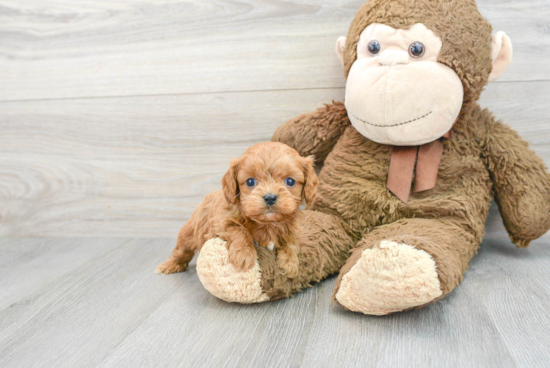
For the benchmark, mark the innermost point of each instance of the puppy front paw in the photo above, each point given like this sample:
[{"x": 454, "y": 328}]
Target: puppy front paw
[
  {"x": 288, "y": 262},
  {"x": 242, "y": 257},
  {"x": 171, "y": 265}
]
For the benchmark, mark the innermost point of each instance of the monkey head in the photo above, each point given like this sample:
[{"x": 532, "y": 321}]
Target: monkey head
[{"x": 412, "y": 66}]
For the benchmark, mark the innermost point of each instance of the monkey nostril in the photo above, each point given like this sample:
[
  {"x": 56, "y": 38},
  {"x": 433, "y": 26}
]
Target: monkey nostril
[{"x": 270, "y": 199}]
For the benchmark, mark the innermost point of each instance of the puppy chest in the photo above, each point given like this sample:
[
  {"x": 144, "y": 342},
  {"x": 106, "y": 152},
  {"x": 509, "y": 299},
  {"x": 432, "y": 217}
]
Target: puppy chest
[{"x": 266, "y": 244}]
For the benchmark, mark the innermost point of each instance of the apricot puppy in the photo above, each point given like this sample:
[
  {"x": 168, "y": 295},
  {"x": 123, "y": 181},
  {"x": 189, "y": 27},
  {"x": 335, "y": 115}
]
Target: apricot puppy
[{"x": 257, "y": 206}]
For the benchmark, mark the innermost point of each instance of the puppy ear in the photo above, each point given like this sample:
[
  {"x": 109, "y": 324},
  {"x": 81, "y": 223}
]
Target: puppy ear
[
  {"x": 229, "y": 183},
  {"x": 309, "y": 189}
]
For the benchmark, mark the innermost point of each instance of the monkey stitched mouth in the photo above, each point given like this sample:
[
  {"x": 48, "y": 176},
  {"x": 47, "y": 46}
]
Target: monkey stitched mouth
[{"x": 393, "y": 125}]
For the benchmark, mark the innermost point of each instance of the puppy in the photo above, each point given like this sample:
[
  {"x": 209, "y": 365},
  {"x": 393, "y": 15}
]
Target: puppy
[{"x": 258, "y": 205}]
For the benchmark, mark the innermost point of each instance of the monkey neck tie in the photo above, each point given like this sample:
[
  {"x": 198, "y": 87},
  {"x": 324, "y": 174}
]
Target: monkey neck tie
[{"x": 402, "y": 166}]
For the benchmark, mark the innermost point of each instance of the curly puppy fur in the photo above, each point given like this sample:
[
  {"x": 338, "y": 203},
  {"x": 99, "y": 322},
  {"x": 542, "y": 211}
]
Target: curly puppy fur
[{"x": 242, "y": 215}]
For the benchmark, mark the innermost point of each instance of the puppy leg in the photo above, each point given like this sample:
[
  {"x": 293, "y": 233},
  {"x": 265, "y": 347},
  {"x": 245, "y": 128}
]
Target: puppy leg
[
  {"x": 287, "y": 259},
  {"x": 240, "y": 247},
  {"x": 182, "y": 253}
]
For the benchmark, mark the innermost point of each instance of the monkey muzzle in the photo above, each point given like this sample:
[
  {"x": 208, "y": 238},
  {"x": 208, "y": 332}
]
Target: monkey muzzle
[{"x": 397, "y": 102}]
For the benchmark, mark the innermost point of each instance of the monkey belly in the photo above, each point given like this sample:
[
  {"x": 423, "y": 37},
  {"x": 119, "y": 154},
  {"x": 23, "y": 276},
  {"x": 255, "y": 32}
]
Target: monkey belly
[{"x": 353, "y": 186}]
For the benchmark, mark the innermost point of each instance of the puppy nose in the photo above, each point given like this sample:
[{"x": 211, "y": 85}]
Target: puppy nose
[{"x": 270, "y": 199}]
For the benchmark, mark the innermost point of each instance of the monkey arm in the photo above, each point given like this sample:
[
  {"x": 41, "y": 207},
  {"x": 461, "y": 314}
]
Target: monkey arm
[
  {"x": 521, "y": 182},
  {"x": 315, "y": 133}
]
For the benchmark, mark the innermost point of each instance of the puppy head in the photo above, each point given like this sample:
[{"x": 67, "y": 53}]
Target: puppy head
[{"x": 269, "y": 182}]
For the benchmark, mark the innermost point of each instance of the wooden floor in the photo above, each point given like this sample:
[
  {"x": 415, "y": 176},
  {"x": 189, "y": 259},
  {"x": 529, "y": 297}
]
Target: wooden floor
[
  {"x": 98, "y": 302},
  {"x": 117, "y": 117}
]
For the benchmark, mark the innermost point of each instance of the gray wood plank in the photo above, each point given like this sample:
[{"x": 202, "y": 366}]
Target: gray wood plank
[
  {"x": 134, "y": 166},
  {"x": 137, "y": 167},
  {"x": 194, "y": 329},
  {"x": 29, "y": 264},
  {"x": 454, "y": 332},
  {"x": 66, "y": 49},
  {"x": 513, "y": 285},
  {"x": 306, "y": 331},
  {"x": 113, "y": 311},
  {"x": 15, "y": 249},
  {"x": 83, "y": 314}
]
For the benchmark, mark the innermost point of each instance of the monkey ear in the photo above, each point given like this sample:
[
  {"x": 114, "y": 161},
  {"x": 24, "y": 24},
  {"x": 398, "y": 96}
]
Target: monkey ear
[
  {"x": 501, "y": 53},
  {"x": 340, "y": 46},
  {"x": 230, "y": 186},
  {"x": 311, "y": 181}
]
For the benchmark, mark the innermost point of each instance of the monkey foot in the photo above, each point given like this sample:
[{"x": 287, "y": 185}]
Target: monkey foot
[
  {"x": 222, "y": 280},
  {"x": 389, "y": 278}
]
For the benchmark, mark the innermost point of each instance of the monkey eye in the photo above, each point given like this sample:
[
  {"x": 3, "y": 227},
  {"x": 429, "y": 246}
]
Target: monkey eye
[
  {"x": 290, "y": 182},
  {"x": 251, "y": 182},
  {"x": 417, "y": 49},
  {"x": 374, "y": 47}
]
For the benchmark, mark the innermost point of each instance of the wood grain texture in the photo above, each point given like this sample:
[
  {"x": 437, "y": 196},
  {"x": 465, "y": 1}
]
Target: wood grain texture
[
  {"x": 513, "y": 285},
  {"x": 138, "y": 166},
  {"x": 213, "y": 333},
  {"x": 37, "y": 262},
  {"x": 67, "y": 49},
  {"x": 413, "y": 339},
  {"x": 86, "y": 311},
  {"x": 34, "y": 272},
  {"x": 117, "y": 117},
  {"x": 109, "y": 309}
]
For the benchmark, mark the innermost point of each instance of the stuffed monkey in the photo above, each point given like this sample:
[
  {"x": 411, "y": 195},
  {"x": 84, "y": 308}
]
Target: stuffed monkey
[{"x": 411, "y": 163}]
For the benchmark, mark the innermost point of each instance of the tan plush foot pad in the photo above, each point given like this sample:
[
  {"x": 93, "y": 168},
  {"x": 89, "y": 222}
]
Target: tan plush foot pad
[
  {"x": 220, "y": 278},
  {"x": 389, "y": 278}
]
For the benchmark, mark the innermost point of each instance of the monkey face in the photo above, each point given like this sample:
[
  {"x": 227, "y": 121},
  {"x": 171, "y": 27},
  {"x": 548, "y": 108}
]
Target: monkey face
[
  {"x": 397, "y": 92},
  {"x": 408, "y": 77}
]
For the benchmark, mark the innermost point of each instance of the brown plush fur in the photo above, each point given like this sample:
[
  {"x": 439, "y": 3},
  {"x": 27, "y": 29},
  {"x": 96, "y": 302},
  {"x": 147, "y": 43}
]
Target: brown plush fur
[
  {"x": 354, "y": 210},
  {"x": 240, "y": 215}
]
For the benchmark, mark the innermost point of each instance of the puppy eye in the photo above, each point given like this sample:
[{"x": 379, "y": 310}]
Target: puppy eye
[
  {"x": 417, "y": 49},
  {"x": 374, "y": 47},
  {"x": 290, "y": 182},
  {"x": 251, "y": 182}
]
